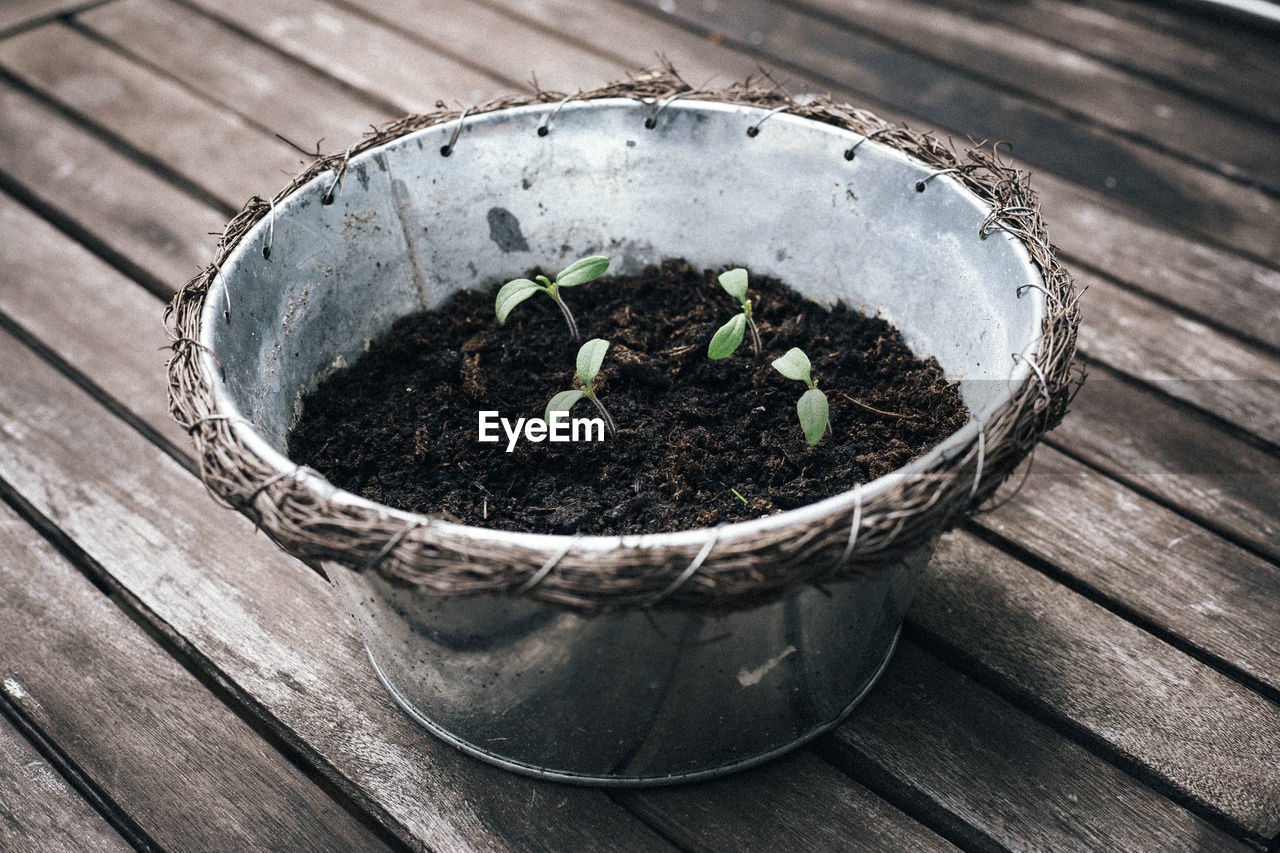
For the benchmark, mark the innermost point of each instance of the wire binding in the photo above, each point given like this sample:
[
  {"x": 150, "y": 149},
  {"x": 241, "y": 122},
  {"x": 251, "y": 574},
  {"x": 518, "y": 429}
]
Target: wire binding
[
  {"x": 690, "y": 570},
  {"x": 652, "y": 121},
  {"x": 395, "y": 540},
  {"x": 754, "y": 130},
  {"x": 545, "y": 127},
  {"x": 848, "y": 154},
  {"x": 921, "y": 184},
  {"x": 446, "y": 150},
  {"x": 550, "y": 564}
]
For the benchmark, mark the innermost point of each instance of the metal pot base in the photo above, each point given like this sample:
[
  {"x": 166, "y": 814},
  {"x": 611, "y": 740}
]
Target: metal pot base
[{"x": 621, "y": 781}]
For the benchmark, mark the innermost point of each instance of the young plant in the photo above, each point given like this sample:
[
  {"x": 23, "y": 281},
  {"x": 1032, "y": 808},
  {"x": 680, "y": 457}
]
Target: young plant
[
  {"x": 518, "y": 290},
  {"x": 729, "y": 336},
  {"x": 590, "y": 357},
  {"x": 812, "y": 408}
]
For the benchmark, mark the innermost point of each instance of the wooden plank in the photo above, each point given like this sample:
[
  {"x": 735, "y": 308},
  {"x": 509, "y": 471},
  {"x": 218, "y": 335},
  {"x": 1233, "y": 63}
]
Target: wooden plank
[
  {"x": 1160, "y": 448},
  {"x": 1239, "y": 77},
  {"x": 795, "y": 803},
  {"x": 90, "y": 315},
  {"x": 632, "y": 37},
  {"x": 118, "y": 204},
  {"x": 20, "y": 14},
  {"x": 39, "y": 812},
  {"x": 1183, "y": 358},
  {"x": 239, "y": 74},
  {"x": 1156, "y": 183},
  {"x": 933, "y": 735},
  {"x": 1231, "y": 291},
  {"x": 178, "y": 762},
  {"x": 151, "y": 113},
  {"x": 1197, "y": 731},
  {"x": 1161, "y": 566},
  {"x": 1214, "y": 29},
  {"x": 273, "y": 634},
  {"x": 496, "y": 43},
  {"x": 1093, "y": 92},
  {"x": 383, "y": 64}
]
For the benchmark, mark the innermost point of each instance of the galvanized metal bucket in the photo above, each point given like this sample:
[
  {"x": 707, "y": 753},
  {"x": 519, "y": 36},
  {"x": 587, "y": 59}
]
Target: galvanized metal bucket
[{"x": 620, "y": 695}]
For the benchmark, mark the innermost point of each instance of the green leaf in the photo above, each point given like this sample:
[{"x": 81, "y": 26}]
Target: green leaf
[
  {"x": 813, "y": 412},
  {"x": 562, "y": 402},
  {"x": 727, "y": 338},
  {"x": 511, "y": 295},
  {"x": 582, "y": 271},
  {"x": 794, "y": 365},
  {"x": 590, "y": 357},
  {"x": 734, "y": 283}
]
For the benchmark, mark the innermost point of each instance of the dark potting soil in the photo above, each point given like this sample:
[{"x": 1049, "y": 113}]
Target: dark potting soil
[{"x": 400, "y": 426}]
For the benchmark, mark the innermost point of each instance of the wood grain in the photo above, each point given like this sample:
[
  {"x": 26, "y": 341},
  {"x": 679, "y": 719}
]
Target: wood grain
[
  {"x": 1181, "y": 357},
  {"x": 19, "y": 14},
  {"x": 151, "y": 113},
  {"x": 39, "y": 812},
  {"x": 268, "y": 629},
  {"x": 1242, "y": 297},
  {"x": 1165, "y": 568},
  {"x": 630, "y": 36},
  {"x": 240, "y": 75},
  {"x": 496, "y": 43},
  {"x": 160, "y": 746},
  {"x": 795, "y": 803},
  {"x": 1239, "y": 76},
  {"x": 928, "y": 733},
  {"x": 384, "y": 65},
  {"x": 116, "y": 337},
  {"x": 119, "y": 204},
  {"x": 1159, "y": 447},
  {"x": 1183, "y": 723},
  {"x": 1091, "y": 91}
]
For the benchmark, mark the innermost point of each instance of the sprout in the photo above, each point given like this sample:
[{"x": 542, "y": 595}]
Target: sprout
[
  {"x": 812, "y": 407},
  {"x": 590, "y": 357},
  {"x": 518, "y": 290},
  {"x": 729, "y": 336}
]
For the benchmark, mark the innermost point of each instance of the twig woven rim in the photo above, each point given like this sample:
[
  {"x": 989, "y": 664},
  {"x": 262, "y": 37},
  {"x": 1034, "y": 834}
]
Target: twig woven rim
[{"x": 716, "y": 571}]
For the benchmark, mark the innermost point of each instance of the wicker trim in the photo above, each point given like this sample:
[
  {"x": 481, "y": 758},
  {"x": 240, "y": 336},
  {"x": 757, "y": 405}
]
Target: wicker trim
[{"x": 739, "y": 570}]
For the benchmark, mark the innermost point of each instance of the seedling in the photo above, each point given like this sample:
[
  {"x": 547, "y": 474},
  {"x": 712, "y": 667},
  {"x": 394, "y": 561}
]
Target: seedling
[
  {"x": 812, "y": 407},
  {"x": 729, "y": 336},
  {"x": 590, "y": 357},
  {"x": 518, "y": 290}
]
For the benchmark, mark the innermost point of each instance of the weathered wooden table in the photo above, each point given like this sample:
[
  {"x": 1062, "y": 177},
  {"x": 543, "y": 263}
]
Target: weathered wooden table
[{"x": 1095, "y": 665}]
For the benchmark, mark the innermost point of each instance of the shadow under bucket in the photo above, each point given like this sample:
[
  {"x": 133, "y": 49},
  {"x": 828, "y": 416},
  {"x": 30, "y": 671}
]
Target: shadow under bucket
[{"x": 482, "y": 635}]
